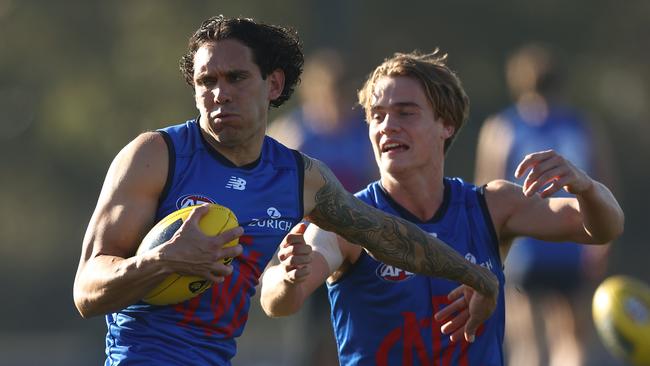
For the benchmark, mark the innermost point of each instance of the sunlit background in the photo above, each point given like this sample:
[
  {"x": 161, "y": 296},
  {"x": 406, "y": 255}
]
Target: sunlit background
[{"x": 79, "y": 79}]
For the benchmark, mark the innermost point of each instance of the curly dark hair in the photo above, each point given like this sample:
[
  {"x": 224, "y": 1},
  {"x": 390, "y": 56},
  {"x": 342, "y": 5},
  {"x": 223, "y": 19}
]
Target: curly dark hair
[{"x": 273, "y": 47}]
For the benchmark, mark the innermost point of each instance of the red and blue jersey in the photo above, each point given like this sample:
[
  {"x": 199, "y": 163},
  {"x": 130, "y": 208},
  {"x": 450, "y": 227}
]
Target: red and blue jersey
[
  {"x": 383, "y": 315},
  {"x": 266, "y": 196}
]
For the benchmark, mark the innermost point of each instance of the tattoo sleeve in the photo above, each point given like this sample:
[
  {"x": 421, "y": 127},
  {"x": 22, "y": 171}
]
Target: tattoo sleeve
[{"x": 390, "y": 239}]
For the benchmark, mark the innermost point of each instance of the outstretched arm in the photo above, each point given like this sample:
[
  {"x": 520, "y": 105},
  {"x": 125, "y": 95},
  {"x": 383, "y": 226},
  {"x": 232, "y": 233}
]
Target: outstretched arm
[
  {"x": 593, "y": 216},
  {"x": 389, "y": 239},
  {"x": 299, "y": 271}
]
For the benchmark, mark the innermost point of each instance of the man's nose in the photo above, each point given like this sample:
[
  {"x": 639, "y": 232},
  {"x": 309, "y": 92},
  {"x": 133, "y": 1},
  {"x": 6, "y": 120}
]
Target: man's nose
[
  {"x": 390, "y": 123},
  {"x": 221, "y": 94}
]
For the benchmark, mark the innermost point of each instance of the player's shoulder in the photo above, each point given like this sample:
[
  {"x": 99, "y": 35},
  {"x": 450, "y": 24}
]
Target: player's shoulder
[
  {"x": 506, "y": 197},
  {"x": 499, "y": 185},
  {"x": 146, "y": 143},
  {"x": 315, "y": 170},
  {"x": 501, "y": 192},
  {"x": 150, "y": 137},
  {"x": 146, "y": 154},
  {"x": 317, "y": 179},
  {"x": 502, "y": 199}
]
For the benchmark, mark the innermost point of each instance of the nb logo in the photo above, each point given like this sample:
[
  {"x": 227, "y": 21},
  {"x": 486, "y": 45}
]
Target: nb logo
[{"x": 236, "y": 183}]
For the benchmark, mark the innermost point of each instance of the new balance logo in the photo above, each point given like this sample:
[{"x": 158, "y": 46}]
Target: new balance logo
[{"x": 236, "y": 183}]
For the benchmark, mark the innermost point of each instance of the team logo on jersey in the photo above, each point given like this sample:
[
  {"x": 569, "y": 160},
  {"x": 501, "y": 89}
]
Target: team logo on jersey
[
  {"x": 192, "y": 200},
  {"x": 274, "y": 221},
  {"x": 393, "y": 274},
  {"x": 236, "y": 183},
  {"x": 417, "y": 340}
]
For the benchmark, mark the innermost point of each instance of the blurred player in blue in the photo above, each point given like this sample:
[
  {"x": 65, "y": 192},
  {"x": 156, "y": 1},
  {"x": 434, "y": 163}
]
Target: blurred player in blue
[
  {"x": 386, "y": 315},
  {"x": 237, "y": 69},
  {"x": 326, "y": 117},
  {"x": 547, "y": 282}
]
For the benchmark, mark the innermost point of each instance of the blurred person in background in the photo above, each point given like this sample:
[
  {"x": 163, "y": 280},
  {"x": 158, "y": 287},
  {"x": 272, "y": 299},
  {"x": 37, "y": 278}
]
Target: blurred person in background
[
  {"x": 325, "y": 124},
  {"x": 548, "y": 298},
  {"x": 385, "y": 315},
  {"x": 238, "y": 69}
]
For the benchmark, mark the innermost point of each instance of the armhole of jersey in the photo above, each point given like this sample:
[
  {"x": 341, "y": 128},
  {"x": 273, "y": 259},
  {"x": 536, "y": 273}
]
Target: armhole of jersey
[
  {"x": 351, "y": 268},
  {"x": 300, "y": 164},
  {"x": 170, "y": 169},
  {"x": 480, "y": 196}
]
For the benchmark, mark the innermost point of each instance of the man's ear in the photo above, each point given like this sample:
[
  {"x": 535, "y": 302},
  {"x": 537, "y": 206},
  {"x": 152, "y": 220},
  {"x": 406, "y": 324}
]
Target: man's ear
[
  {"x": 449, "y": 130},
  {"x": 276, "y": 84}
]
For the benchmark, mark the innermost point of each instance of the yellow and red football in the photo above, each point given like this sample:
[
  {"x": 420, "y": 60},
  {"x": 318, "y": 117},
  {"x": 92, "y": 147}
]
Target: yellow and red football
[
  {"x": 621, "y": 312},
  {"x": 177, "y": 288}
]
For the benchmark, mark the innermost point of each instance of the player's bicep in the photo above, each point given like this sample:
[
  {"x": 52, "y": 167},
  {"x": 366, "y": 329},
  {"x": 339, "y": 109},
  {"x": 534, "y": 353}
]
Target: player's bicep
[
  {"x": 332, "y": 208},
  {"x": 550, "y": 219},
  {"x": 129, "y": 197}
]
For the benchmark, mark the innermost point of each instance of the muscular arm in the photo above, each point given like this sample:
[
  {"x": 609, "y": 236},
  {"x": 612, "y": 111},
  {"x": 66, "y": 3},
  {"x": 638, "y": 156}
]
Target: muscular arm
[
  {"x": 109, "y": 276},
  {"x": 387, "y": 238},
  {"x": 107, "y": 279}
]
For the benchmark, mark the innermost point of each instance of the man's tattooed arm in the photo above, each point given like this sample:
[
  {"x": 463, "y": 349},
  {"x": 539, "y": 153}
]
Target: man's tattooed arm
[{"x": 387, "y": 238}]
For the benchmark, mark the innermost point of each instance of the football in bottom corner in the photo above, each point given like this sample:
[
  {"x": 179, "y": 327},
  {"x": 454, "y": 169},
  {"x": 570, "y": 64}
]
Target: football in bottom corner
[{"x": 621, "y": 313}]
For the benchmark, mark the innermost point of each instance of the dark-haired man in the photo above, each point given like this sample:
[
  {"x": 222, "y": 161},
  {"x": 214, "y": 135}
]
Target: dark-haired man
[{"x": 238, "y": 68}]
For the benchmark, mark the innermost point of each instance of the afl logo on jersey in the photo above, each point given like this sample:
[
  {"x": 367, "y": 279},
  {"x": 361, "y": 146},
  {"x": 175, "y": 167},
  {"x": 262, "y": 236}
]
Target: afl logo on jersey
[
  {"x": 192, "y": 200},
  {"x": 393, "y": 274}
]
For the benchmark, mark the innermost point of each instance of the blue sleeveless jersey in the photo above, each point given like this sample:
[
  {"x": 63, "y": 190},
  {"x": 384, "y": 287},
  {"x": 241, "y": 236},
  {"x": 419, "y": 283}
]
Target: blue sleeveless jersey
[
  {"x": 383, "y": 315},
  {"x": 266, "y": 197},
  {"x": 565, "y": 132}
]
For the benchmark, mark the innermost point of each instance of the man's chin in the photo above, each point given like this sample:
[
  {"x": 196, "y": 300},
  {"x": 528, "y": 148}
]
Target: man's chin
[
  {"x": 392, "y": 166},
  {"x": 228, "y": 140},
  {"x": 224, "y": 138}
]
